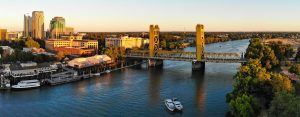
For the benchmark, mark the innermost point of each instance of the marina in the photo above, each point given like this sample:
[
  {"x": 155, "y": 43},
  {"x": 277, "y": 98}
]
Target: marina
[{"x": 58, "y": 73}]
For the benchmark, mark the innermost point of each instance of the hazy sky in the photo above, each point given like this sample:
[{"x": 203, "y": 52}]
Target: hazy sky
[{"x": 171, "y": 15}]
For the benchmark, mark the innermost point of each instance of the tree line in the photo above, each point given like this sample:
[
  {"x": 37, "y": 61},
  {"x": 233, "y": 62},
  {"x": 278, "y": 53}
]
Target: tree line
[
  {"x": 21, "y": 56},
  {"x": 259, "y": 88}
]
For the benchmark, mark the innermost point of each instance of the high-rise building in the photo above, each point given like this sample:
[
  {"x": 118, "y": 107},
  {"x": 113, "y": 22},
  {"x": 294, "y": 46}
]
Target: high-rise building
[
  {"x": 27, "y": 26},
  {"x": 57, "y": 26},
  {"x": 38, "y": 24},
  {"x": 3, "y": 34}
]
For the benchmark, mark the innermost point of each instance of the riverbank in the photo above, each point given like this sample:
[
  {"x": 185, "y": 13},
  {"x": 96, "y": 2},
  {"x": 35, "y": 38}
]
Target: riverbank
[{"x": 68, "y": 75}]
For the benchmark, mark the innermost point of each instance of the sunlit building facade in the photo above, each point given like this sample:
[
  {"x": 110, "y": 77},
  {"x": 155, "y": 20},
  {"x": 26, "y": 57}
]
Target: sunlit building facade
[
  {"x": 27, "y": 26},
  {"x": 14, "y": 35},
  {"x": 38, "y": 25},
  {"x": 71, "y": 46},
  {"x": 126, "y": 42},
  {"x": 3, "y": 34},
  {"x": 57, "y": 27}
]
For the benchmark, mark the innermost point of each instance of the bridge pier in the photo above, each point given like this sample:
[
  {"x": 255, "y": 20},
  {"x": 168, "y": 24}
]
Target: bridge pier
[
  {"x": 198, "y": 65},
  {"x": 155, "y": 63}
]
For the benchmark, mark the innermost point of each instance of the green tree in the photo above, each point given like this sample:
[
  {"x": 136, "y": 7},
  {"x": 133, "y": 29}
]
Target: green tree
[
  {"x": 172, "y": 46},
  {"x": 244, "y": 106},
  {"x": 254, "y": 49},
  {"x": 295, "y": 69},
  {"x": 116, "y": 53},
  {"x": 282, "y": 51},
  {"x": 32, "y": 44},
  {"x": 281, "y": 83},
  {"x": 288, "y": 63},
  {"x": 163, "y": 44},
  {"x": 1, "y": 50},
  {"x": 285, "y": 105},
  {"x": 269, "y": 59}
]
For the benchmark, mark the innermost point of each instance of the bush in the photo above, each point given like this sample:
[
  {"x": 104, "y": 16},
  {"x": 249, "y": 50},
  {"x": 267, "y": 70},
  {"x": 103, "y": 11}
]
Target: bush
[
  {"x": 288, "y": 63},
  {"x": 295, "y": 69}
]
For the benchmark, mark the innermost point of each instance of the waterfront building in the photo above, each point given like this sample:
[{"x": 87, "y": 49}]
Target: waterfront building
[
  {"x": 27, "y": 71},
  {"x": 89, "y": 61},
  {"x": 125, "y": 41},
  {"x": 3, "y": 34},
  {"x": 57, "y": 27},
  {"x": 27, "y": 26},
  {"x": 89, "y": 65},
  {"x": 38, "y": 25}
]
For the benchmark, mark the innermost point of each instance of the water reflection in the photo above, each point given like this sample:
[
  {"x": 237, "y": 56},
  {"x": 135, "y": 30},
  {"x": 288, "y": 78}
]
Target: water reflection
[
  {"x": 200, "y": 89},
  {"x": 81, "y": 88},
  {"x": 155, "y": 85}
]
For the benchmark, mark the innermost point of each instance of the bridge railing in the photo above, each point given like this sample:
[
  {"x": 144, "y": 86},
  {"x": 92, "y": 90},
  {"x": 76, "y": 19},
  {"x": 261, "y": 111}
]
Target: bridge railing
[
  {"x": 230, "y": 56},
  {"x": 187, "y": 56}
]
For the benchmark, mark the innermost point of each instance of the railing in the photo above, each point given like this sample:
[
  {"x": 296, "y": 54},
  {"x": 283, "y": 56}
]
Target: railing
[{"x": 188, "y": 56}]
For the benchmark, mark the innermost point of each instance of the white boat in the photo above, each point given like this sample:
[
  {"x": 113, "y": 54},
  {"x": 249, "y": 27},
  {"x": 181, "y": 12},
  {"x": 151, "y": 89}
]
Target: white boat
[
  {"x": 107, "y": 71},
  {"x": 97, "y": 74},
  {"x": 27, "y": 84},
  {"x": 177, "y": 104},
  {"x": 169, "y": 104}
]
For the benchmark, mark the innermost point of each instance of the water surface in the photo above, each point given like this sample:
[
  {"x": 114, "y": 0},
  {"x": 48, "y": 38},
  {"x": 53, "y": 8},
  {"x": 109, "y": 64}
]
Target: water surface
[{"x": 134, "y": 92}]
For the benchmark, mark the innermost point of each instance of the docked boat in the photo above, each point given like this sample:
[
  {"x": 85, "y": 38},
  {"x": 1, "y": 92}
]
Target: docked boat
[
  {"x": 107, "y": 71},
  {"x": 169, "y": 104},
  {"x": 97, "y": 74},
  {"x": 177, "y": 104},
  {"x": 27, "y": 84}
]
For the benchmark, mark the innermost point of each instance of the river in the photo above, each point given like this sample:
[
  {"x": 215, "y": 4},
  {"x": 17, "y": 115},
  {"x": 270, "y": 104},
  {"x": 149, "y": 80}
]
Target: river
[{"x": 134, "y": 92}]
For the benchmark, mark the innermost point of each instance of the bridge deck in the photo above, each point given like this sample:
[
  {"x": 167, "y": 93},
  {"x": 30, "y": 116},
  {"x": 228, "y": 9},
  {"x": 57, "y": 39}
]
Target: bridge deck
[{"x": 189, "y": 56}]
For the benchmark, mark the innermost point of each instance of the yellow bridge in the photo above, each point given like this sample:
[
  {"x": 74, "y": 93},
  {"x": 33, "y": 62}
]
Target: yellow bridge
[
  {"x": 156, "y": 56},
  {"x": 189, "y": 56}
]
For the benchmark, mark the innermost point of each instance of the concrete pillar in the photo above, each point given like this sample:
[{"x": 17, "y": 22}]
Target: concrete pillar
[
  {"x": 155, "y": 63},
  {"x": 198, "y": 65}
]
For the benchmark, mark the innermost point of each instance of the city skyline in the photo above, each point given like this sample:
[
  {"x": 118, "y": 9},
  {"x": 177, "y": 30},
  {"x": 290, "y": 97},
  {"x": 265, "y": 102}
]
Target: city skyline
[{"x": 133, "y": 15}]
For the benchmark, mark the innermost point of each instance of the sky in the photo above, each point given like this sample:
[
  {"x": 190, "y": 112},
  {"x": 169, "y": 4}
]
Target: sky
[{"x": 170, "y": 15}]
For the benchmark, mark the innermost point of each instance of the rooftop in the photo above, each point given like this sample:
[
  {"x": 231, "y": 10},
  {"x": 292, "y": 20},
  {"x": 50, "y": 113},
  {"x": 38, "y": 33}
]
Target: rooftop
[{"x": 29, "y": 65}]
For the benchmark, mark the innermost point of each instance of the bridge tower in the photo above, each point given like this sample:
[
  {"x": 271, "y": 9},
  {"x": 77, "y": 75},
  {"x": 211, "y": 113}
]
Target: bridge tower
[
  {"x": 153, "y": 40},
  {"x": 154, "y": 45},
  {"x": 200, "y": 45}
]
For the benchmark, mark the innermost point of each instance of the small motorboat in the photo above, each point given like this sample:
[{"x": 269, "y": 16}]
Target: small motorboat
[
  {"x": 177, "y": 104},
  {"x": 169, "y": 104}
]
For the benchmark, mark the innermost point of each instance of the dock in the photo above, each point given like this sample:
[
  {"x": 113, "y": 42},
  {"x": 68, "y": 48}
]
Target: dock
[{"x": 69, "y": 75}]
